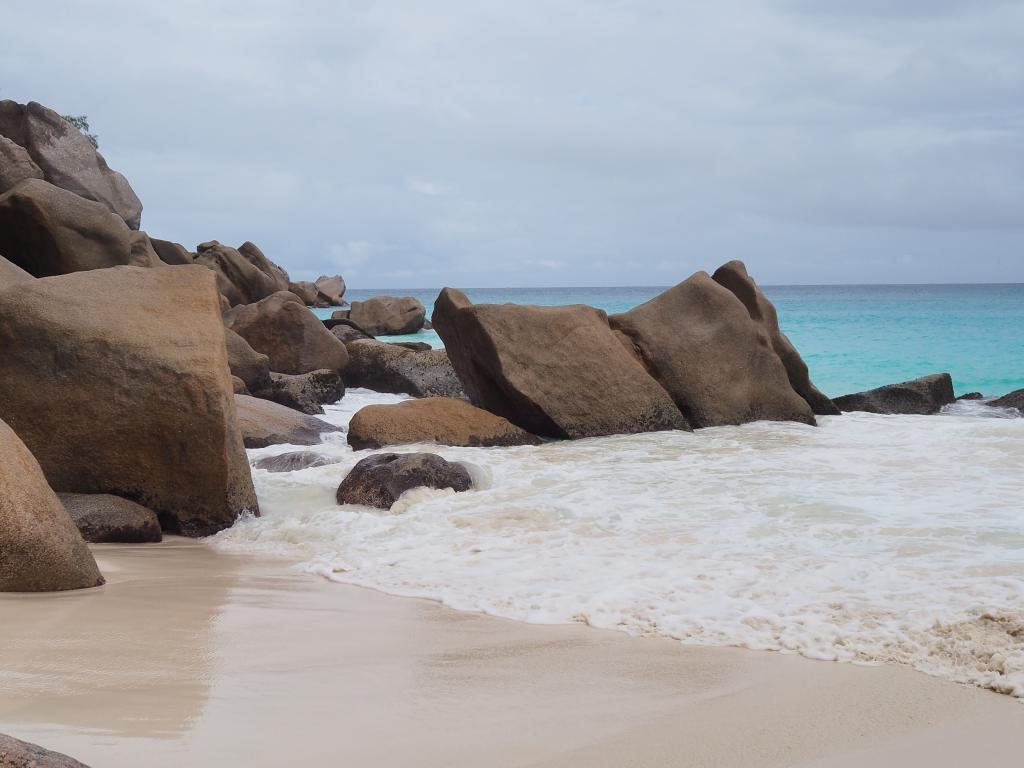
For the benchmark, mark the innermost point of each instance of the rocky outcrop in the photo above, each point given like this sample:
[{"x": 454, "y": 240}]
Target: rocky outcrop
[
  {"x": 554, "y": 371},
  {"x": 734, "y": 277},
  {"x": 1012, "y": 400},
  {"x": 924, "y": 396},
  {"x": 118, "y": 382},
  {"x": 46, "y": 231},
  {"x": 252, "y": 367},
  {"x": 292, "y": 337},
  {"x": 441, "y": 420},
  {"x": 331, "y": 290},
  {"x": 15, "y": 165},
  {"x": 293, "y": 461},
  {"x": 41, "y": 550},
  {"x": 243, "y": 278},
  {"x": 172, "y": 253},
  {"x": 11, "y": 274},
  {"x": 307, "y": 293},
  {"x": 347, "y": 331},
  {"x": 717, "y": 363},
  {"x": 141, "y": 251},
  {"x": 264, "y": 423},
  {"x": 67, "y": 159},
  {"x": 21, "y": 754},
  {"x": 388, "y": 315},
  {"x": 105, "y": 519},
  {"x": 378, "y": 480},
  {"x": 306, "y": 392},
  {"x": 385, "y": 367}
]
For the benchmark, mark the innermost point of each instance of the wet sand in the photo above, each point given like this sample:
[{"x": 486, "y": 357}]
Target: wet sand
[{"x": 193, "y": 657}]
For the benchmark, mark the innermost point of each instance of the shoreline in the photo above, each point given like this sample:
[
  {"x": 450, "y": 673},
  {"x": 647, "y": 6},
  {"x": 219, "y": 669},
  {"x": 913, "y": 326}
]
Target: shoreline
[{"x": 193, "y": 656}]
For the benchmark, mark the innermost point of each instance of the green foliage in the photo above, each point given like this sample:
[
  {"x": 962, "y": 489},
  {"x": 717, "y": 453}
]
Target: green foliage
[{"x": 81, "y": 122}]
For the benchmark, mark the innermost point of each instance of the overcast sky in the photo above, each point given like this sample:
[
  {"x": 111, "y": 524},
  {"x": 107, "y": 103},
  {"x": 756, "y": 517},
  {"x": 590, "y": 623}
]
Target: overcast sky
[{"x": 563, "y": 142}]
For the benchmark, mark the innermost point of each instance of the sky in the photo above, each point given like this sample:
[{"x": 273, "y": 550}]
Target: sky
[{"x": 565, "y": 142}]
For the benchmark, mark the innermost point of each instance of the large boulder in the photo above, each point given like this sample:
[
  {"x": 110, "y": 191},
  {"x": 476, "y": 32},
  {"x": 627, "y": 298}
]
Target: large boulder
[
  {"x": 172, "y": 253},
  {"x": 281, "y": 327},
  {"x": 1013, "y": 400},
  {"x": 385, "y": 367},
  {"x": 717, "y": 363},
  {"x": 252, "y": 367},
  {"x": 22, "y": 754},
  {"x": 554, "y": 371},
  {"x": 242, "y": 278},
  {"x": 346, "y": 332},
  {"x": 41, "y": 550},
  {"x": 68, "y": 159},
  {"x": 330, "y": 290},
  {"x": 388, "y": 315},
  {"x": 734, "y": 277},
  {"x": 264, "y": 423},
  {"x": 105, "y": 519},
  {"x": 307, "y": 293},
  {"x": 15, "y": 165},
  {"x": 922, "y": 396},
  {"x": 378, "y": 480},
  {"x": 11, "y": 274},
  {"x": 142, "y": 252},
  {"x": 47, "y": 230},
  {"x": 118, "y": 382},
  {"x": 256, "y": 257},
  {"x": 442, "y": 420},
  {"x": 306, "y": 392}
]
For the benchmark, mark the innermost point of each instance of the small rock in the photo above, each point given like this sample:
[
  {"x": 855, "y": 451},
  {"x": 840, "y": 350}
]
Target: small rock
[
  {"x": 921, "y": 396},
  {"x": 378, "y": 480},
  {"x": 106, "y": 519},
  {"x": 264, "y": 423},
  {"x": 306, "y": 392},
  {"x": 293, "y": 461}
]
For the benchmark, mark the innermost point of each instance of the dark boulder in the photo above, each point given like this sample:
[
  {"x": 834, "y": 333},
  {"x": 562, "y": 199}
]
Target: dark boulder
[
  {"x": 172, "y": 253},
  {"x": 378, "y": 480},
  {"x": 105, "y": 519},
  {"x": 442, "y": 420},
  {"x": 67, "y": 159},
  {"x": 1013, "y": 400},
  {"x": 264, "y": 423},
  {"x": 47, "y": 230},
  {"x": 118, "y": 382},
  {"x": 281, "y": 327},
  {"x": 346, "y": 331},
  {"x": 388, "y": 315},
  {"x": 554, "y": 371},
  {"x": 21, "y": 754},
  {"x": 306, "y": 392},
  {"x": 385, "y": 367},
  {"x": 923, "y": 396},
  {"x": 734, "y": 277},
  {"x": 293, "y": 461},
  {"x": 971, "y": 396},
  {"x": 41, "y": 550}
]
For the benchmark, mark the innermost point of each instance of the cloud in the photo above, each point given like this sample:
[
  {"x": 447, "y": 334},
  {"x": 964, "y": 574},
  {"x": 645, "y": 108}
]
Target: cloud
[{"x": 423, "y": 187}]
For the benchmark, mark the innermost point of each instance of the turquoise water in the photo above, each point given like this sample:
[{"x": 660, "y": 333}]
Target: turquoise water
[{"x": 852, "y": 337}]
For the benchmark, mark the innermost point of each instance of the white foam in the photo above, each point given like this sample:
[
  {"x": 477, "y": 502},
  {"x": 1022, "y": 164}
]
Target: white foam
[{"x": 867, "y": 539}]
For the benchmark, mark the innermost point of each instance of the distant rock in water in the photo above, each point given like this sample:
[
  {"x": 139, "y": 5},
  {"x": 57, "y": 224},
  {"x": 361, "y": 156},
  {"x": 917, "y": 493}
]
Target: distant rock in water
[
  {"x": 1013, "y": 400},
  {"x": 22, "y": 754},
  {"x": 106, "y": 519},
  {"x": 388, "y": 315},
  {"x": 293, "y": 461},
  {"x": 306, "y": 392},
  {"x": 971, "y": 396},
  {"x": 378, "y": 480},
  {"x": 306, "y": 291},
  {"x": 385, "y": 367},
  {"x": 330, "y": 290},
  {"x": 264, "y": 423},
  {"x": 922, "y": 396},
  {"x": 67, "y": 159}
]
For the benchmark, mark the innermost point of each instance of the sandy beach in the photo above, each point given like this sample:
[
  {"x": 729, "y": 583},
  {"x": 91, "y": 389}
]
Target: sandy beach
[{"x": 193, "y": 657}]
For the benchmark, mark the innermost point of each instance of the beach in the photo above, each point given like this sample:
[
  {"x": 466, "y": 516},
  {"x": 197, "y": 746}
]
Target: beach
[{"x": 190, "y": 656}]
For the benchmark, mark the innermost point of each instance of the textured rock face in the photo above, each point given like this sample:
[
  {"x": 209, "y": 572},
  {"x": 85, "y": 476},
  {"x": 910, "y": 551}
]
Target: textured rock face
[
  {"x": 921, "y": 396},
  {"x": 11, "y": 274},
  {"x": 378, "y": 480},
  {"x": 172, "y": 253},
  {"x": 331, "y": 290},
  {"x": 241, "y": 277},
  {"x": 554, "y": 371},
  {"x": 294, "y": 461},
  {"x": 306, "y": 392},
  {"x": 700, "y": 343},
  {"x": 442, "y": 420},
  {"x": 252, "y": 367},
  {"x": 307, "y": 293},
  {"x": 105, "y": 519},
  {"x": 386, "y": 367},
  {"x": 388, "y": 315},
  {"x": 251, "y": 252},
  {"x": 264, "y": 423},
  {"x": 46, "y": 231},
  {"x": 292, "y": 337},
  {"x": 1012, "y": 400},
  {"x": 142, "y": 252},
  {"x": 41, "y": 550},
  {"x": 22, "y": 754},
  {"x": 734, "y": 277},
  {"x": 118, "y": 382},
  {"x": 67, "y": 159},
  {"x": 347, "y": 332},
  {"x": 15, "y": 165}
]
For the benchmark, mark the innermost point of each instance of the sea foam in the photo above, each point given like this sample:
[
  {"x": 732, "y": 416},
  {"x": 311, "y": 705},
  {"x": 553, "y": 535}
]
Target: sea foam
[{"x": 867, "y": 539}]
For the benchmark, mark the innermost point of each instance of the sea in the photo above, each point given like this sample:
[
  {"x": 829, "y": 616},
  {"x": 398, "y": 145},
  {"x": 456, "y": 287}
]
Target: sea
[{"x": 867, "y": 539}]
